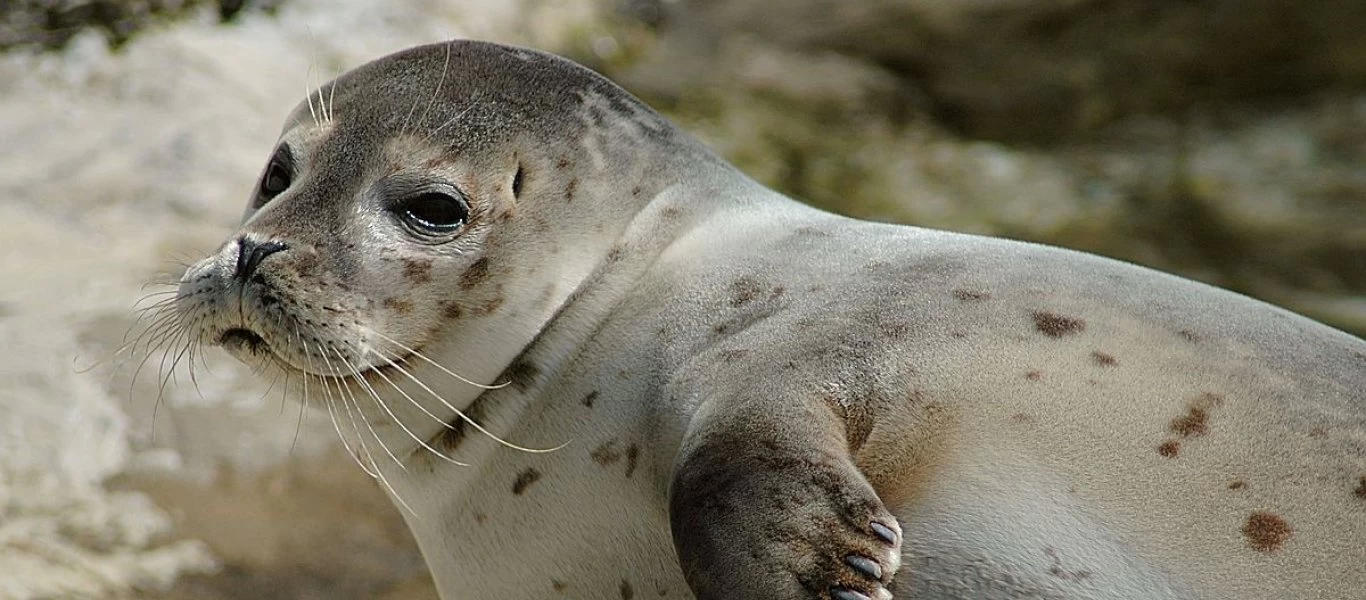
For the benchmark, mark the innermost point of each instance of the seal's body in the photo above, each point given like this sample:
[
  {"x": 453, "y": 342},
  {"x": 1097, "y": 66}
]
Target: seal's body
[{"x": 717, "y": 392}]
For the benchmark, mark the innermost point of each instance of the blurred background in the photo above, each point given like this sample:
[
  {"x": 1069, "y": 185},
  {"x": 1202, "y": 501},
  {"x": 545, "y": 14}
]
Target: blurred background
[{"x": 1224, "y": 140}]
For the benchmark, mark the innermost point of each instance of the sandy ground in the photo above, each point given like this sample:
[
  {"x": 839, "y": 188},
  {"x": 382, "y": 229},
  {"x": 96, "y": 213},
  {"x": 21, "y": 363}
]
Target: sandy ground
[{"x": 113, "y": 167}]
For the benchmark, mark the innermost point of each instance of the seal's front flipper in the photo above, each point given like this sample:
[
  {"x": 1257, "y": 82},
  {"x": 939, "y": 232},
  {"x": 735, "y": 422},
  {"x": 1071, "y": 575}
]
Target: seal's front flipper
[{"x": 767, "y": 504}]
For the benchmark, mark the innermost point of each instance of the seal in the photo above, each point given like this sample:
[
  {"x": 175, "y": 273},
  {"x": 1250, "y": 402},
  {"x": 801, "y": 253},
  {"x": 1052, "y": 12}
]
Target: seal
[{"x": 587, "y": 358}]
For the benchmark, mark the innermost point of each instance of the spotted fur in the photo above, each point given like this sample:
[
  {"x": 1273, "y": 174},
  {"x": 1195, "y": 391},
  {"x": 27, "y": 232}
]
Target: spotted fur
[{"x": 750, "y": 398}]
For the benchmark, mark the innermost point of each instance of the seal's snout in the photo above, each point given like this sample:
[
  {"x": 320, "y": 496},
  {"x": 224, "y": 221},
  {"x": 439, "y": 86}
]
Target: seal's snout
[{"x": 250, "y": 253}]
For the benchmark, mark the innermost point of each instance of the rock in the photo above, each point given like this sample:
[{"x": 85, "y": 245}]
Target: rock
[
  {"x": 1046, "y": 70},
  {"x": 52, "y": 23}
]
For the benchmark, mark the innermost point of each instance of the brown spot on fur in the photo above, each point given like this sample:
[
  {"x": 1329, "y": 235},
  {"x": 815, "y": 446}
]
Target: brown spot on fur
[
  {"x": 1188, "y": 335},
  {"x": 744, "y": 290},
  {"x": 480, "y": 518},
  {"x": 606, "y": 454},
  {"x": 1034, "y": 375},
  {"x": 452, "y": 310},
  {"x": 522, "y": 374},
  {"x": 435, "y": 162},
  {"x": 1195, "y": 422},
  {"x": 1237, "y": 485},
  {"x": 417, "y": 270},
  {"x": 398, "y": 305},
  {"x": 635, "y": 191},
  {"x": 475, "y": 273},
  {"x": 626, "y": 592},
  {"x": 1021, "y": 418},
  {"x": 1169, "y": 449},
  {"x": 558, "y": 586},
  {"x": 1053, "y": 325},
  {"x": 569, "y": 189},
  {"x": 1103, "y": 359},
  {"x": 1318, "y": 432},
  {"x": 1266, "y": 532},
  {"x": 970, "y": 295},
  {"x": 562, "y": 162},
  {"x": 588, "y": 400},
  {"x": 632, "y": 455},
  {"x": 1360, "y": 491},
  {"x": 451, "y": 438},
  {"x": 525, "y": 480},
  {"x": 616, "y": 253}
]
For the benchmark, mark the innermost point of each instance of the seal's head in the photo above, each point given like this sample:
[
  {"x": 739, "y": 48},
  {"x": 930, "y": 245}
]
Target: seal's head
[{"x": 462, "y": 187}]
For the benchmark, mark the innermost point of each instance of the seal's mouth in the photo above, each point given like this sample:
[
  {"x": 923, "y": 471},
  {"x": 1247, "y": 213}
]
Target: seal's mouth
[
  {"x": 238, "y": 338},
  {"x": 240, "y": 341}
]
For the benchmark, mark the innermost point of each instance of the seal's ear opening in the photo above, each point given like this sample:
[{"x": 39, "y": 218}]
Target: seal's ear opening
[{"x": 517, "y": 182}]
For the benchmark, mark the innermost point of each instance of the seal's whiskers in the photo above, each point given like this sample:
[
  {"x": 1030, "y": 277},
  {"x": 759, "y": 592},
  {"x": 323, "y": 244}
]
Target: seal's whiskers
[
  {"x": 379, "y": 472},
  {"x": 308, "y": 96},
  {"x": 464, "y": 417},
  {"x": 419, "y": 406},
  {"x": 422, "y": 356},
  {"x": 436, "y": 93},
  {"x": 383, "y": 405},
  {"x": 303, "y": 383},
  {"x": 457, "y": 117},
  {"x": 348, "y": 399},
  {"x": 332, "y": 413}
]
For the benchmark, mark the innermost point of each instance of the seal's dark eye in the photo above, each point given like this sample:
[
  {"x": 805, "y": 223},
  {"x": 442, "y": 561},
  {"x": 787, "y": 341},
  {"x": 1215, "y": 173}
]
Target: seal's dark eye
[
  {"x": 276, "y": 179},
  {"x": 433, "y": 213}
]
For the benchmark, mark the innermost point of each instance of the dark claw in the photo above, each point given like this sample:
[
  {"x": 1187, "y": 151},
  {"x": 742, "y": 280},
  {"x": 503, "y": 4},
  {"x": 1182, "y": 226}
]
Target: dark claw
[
  {"x": 847, "y": 594},
  {"x": 884, "y": 532},
  {"x": 864, "y": 565}
]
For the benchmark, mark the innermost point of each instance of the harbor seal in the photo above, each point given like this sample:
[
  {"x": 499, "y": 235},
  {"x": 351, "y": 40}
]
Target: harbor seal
[{"x": 588, "y": 358}]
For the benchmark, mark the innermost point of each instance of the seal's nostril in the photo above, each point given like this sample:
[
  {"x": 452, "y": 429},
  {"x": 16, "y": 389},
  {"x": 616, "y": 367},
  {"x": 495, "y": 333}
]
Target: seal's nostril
[{"x": 251, "y": 252}]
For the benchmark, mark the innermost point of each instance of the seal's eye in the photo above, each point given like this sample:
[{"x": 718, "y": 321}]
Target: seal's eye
[
  {"x": 277, "y": 177},
  {"x": 275, "y": 181},
  {"x": 432, "y": 213}
]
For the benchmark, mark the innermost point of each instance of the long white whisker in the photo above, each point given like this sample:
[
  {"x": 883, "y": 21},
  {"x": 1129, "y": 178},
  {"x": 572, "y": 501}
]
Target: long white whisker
[
  {"x": 303, "y": 382},
  {"x": 439, "y": 82},
  {"x": 356, "y": 402},
  {"x": 461, "y": 414},
  {"x": 161, "y": 389},
  {"x": 308, "y": 96},
  {"x": 421, "y": 408},
  {"x": 434, "y": 363},
  {"x": 331, "y": 100},
  {"x": 331, "y": 409},
  {"x": 378, "y": 471},
  {"x": 356, "y": 375},
  {"x": 448, "y": 122}
]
